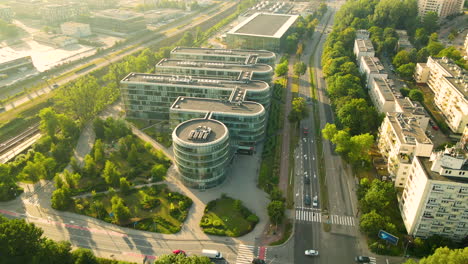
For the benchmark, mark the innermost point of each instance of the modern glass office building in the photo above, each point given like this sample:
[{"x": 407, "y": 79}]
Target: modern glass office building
[
  {"x": 149, "y": 96},
  {"x": 225, "y": 55},
  {"x": 202, "y": 152},
  {"x": 245, "y": 120},
  {"x": 232, "y": 71}
]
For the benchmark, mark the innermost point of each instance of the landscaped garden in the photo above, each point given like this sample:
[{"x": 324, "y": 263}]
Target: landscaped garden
[
  {"x": 227, "y": 217},
  {"x": 152, "y": 208}
]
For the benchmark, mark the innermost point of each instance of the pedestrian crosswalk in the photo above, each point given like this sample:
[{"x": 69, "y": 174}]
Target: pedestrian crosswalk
[
  {"x": 373, "y": 260},
  {"x": 245, "y": 254},
  {"x": 307, "y": 215}
]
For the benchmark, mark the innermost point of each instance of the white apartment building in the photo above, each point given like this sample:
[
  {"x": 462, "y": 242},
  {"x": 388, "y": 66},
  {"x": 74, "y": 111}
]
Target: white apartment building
[
  {"x": 449, "y": 83},
  {"x": 405, "y": 105},
  {"x": 401, "y": 138},
  {"x": 443, "y": 8},
  {"x": 372, "y": 67},
  {"x": 77, "y": 30},
  {"x": 381, "y": 94},
  {"x": 363, "y": 47},
  {"x": 435, "y": 196},
  {"x": 466, "y": 44}
]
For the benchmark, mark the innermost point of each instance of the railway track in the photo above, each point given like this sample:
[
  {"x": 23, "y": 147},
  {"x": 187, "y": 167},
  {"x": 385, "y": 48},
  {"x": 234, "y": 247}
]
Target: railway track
[{"x": 18, "y": 139}]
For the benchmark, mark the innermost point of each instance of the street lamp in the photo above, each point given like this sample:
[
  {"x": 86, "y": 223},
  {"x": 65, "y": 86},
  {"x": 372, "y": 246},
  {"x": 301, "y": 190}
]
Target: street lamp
[{"x": 410, "y": 240}]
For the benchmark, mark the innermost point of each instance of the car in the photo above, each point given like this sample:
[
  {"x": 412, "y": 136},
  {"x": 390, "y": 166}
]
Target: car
[
  {"x": 431, "y": 122},
  {"x": 55, "y": 86},
  {"x": 306, "y": 130},
  {"x": 315, "y": 201},
  {"x": 307, "y": 200},
  {"x": 258, "y": 261},
  {"x": 311, "y": 252},
  {"x": 435, "y": 127},
  {"x": 306, "y": 179},
  {"x": 362, "y": 259},
  {"x": 178, "y": 251}
]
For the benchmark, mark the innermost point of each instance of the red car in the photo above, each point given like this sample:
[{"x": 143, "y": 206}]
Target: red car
[
  {"x": 435, "y": 127},
  {"x": 178, "y": 251},
  {"x": 306, "y": 130}
]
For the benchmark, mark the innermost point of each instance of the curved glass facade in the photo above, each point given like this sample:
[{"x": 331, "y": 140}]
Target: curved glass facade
[{"x": 202, "y": 165}]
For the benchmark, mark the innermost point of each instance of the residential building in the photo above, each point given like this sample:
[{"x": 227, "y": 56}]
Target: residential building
[
  {"x": 149, "y": 96},
  {"x": 27, "y": 8},
  {"x": 117, "y": 20},
  {"x": 16, "y": 65},
  {"x": 405, "y": 105},
  {"x": 261, "y": 31},
  {"x": 102, "y": 4},
  {"x": 442, "y": 8},
  {"x": 55, "y": 40},
  {"x": 362, "y": 34},
  {"x": 245, "y": 120},
  {"x": 435, "y": 194},
  {"x": 449, "y": 83},
  {"x": 466, "y": 44},
  {"x": 401, "y": 138},
  {"x": 202, "y": 152},
  {"x": 363, "y": 47},
  {"x": 6, "y": 13},
  {"x": 381, "y": 94},
  {"x": 224, "y": 55},
  {"x": 403, "y": 41},
  {"x": 233, "y": 71},
  {"x": 371, "y": 67},
  {"x": 57, "y": 13},
  {"x": 77, "y": 30}
]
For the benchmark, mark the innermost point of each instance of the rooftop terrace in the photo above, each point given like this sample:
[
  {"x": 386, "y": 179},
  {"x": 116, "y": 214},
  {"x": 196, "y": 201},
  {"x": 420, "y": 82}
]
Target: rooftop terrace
[
  {"x": 200, "y": 131},
  {"x": 407, "y": 129},
  {"x": 374, "y": 64},
  {"x": 385, "y": 89},
  {"x": 192, "y": 81},
  {"x": 216, "y": 105},
  {"x": 364, "y": 45},
  {"x": 264, "y": 24}
]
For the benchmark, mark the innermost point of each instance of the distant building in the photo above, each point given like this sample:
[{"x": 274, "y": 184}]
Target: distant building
[
  {"x": 442, "y": 8},
  {"x": 435, "y": 195},
  {"x": 149, "y": 96},
  {"x": 54, "y": 14},
  {"x": 449, "y": 83},
  {"x": 55, "y": 40},
  {"x": 117, "y": 20},
  {"x": 27, "y": 8},
  {"x": 261, "y": 31},
  {"x": 403, "y": 41},
  {"x": 363, "y": 47},
  {"x": 224, "y": 55},
  {"x": 16, "y": 65},
  {"x": 401, "y": 138},
  {"x": 233, "y": 71},
  {"x": 6, "y": 13},
  {"x": 101, "y": 4},
  {"x": 466, "y": 44},
  {"x": 371, "y": 67},
  {"x": 77, "y": 30}
]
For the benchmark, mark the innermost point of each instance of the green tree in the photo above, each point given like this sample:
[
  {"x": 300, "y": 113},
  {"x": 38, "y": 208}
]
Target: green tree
[
  {"x": 49, "y": 121},
  {"x": 110, "y": 174},
  {"x": 99, "y": 152},
  {"x": 434, "y": 47},
  {"x": 99, "y": 128},
  {"x": 52, "y": 252},
  {"x": 421, "y": 37},
  {"x": 84, "y": 256},
  {"x": 132, "y": 157},
  {"x": 61, "y": 198},
  {"x": 276, "y": 210},
  {"x": 358, "y": 116},
  {"x": 282, "y": 69},
  {"x": 360, "y": 148},
  {"x": 90, "y": 167},
  {"x": 406, "y": 70},
  {"x": 446, "y": 255},
  {"x": 430, "y": 22},
  {"x": 299, "y": 110},
  {"x": 182, "y": 259},
  {"x": 20, "y": 241},
  {"x": 187, "y": 40},
  {"x": 372, "y": 222},
  {"x": 158, "y": 172},
  {"x": 291, "y": 43},
  {"x": 300, "y": 68},
  {"x": 121, "y": 212},
  {"x": 124, "y": 185},
  {"x": 68, "y": 127},
  {"x": 451, "y": 53},
  {"x": 402, "y": 57},
  {"x": 416, "y": 95}
]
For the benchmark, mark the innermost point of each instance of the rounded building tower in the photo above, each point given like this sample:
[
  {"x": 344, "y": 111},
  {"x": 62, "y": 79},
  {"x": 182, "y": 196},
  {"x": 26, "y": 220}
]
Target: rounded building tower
[{"x": 201, "y": 152}]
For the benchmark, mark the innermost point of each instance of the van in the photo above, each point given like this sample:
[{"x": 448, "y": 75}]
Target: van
[{"x": 212, "y": 254}]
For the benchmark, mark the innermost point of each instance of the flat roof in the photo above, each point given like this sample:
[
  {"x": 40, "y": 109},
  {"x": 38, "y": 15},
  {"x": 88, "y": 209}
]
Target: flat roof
[
  {"x": 384, "y": 88},
  {"x": 191, "y": 81},
  {"x": 214, "y": 65},
  {"x": 225, "y": 52},
  {"x": 265, "y": 24},
  {"x": 118, "y": 14},
  {"x": 459, "y": 76},
  {"x": 432, "y": 175},
  {"x": 374, "y": 64},
  {"x": 407, "y": 128},
  {"x": 411, "y": 107},
  {"x": 217, "y": 131},
  {"x": 215, "y": 105},
  {"x": 365, "y": 45}
]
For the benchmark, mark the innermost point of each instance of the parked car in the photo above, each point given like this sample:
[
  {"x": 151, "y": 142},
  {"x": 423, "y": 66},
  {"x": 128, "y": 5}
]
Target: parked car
[
  {"x": 435, "y": 127},
  {"x": 178, "y": 251},
  {"x": 258, "y": 261},
  {"x": 311, "y": 252},
  {"x": 362, "y": 259},
  {"x": 212, "y": 254}
]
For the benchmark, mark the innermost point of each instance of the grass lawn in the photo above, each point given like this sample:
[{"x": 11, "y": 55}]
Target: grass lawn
[
  {"x": 227, "y": 217},
  {"x": 165, "y": 215}
]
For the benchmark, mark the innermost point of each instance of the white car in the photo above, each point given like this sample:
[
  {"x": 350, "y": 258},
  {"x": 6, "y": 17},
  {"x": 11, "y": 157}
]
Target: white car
[
  {"x": 311, "y": 252},
  {"x": 315, "y": 201}
]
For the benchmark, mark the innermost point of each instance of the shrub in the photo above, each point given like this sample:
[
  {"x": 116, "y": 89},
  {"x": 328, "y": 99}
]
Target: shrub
[{"x": 253, "y": 218}]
